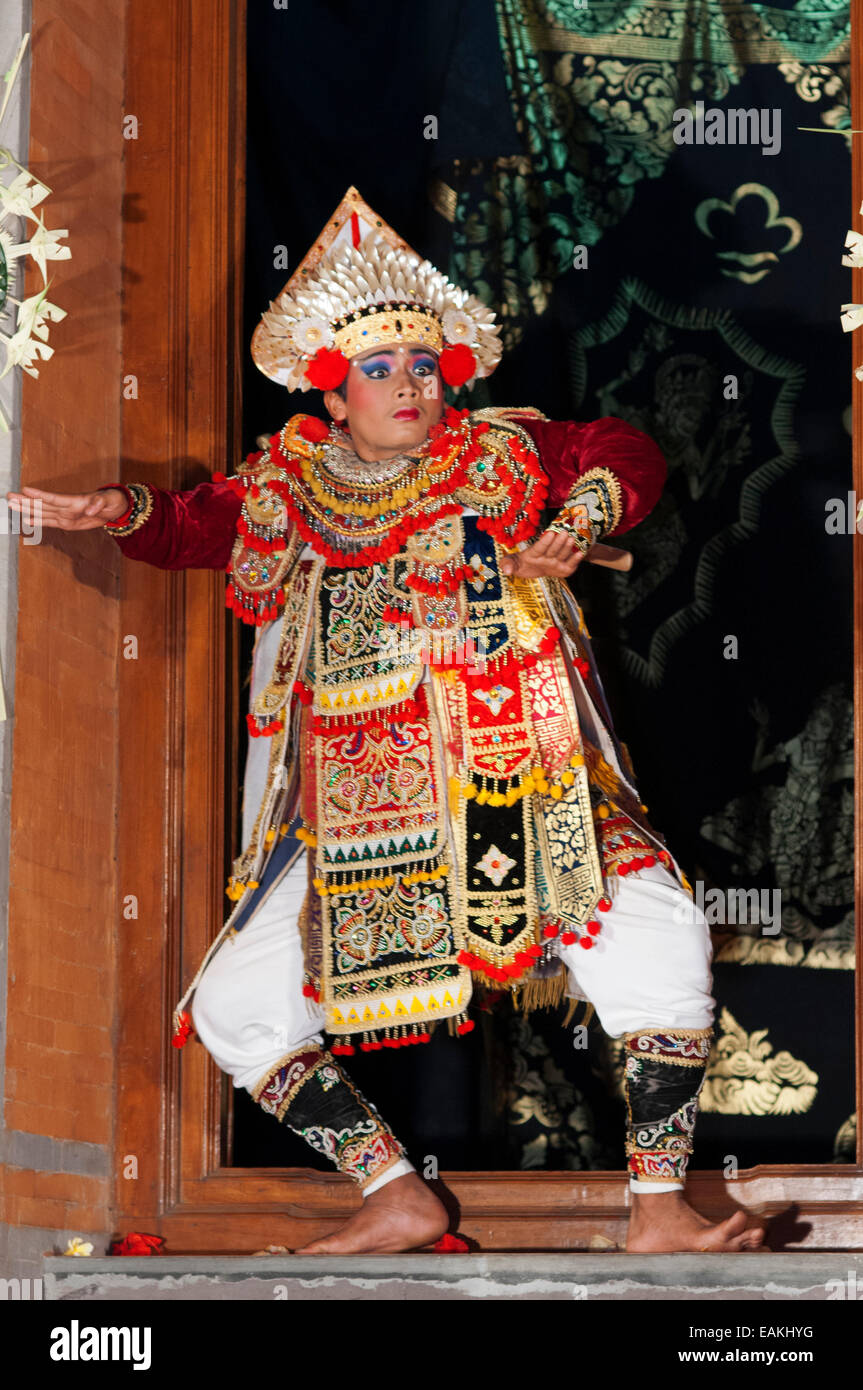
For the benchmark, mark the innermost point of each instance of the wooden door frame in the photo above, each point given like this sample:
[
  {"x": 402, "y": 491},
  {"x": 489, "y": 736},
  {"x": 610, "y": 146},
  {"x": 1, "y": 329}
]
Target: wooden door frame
[{"x": 178, "y": 759}]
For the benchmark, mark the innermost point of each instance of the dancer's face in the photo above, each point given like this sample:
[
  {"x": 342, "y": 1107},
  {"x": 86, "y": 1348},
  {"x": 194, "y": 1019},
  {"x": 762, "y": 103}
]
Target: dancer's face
[{"x": 394, "y": 396}]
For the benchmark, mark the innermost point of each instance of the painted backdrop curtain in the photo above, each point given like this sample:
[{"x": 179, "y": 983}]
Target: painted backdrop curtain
[{"x": 694, "y": 291}]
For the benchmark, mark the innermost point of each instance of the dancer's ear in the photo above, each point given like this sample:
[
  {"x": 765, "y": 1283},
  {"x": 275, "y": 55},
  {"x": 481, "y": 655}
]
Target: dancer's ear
[{"x": 336, "y": 405}]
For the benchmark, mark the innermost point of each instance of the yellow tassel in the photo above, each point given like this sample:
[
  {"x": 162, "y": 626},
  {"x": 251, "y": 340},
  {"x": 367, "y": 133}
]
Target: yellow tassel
[
  {"x": 497, "y": 799},
  {"x": 454, "y": 794},
  {"x": 557, "y": 791},
  {"x": 482, "y": 797},
  {"x": 577, "y": 760},
  {"x": 567, "y": 778},
  {"x": 602, "y": 811},
  {"x": 468, "y": 791},
  {"x": 527, "y": 785}
]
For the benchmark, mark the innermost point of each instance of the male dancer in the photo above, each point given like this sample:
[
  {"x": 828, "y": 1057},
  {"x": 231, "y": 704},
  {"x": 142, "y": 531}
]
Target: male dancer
[{"x": 427, "y": 719}]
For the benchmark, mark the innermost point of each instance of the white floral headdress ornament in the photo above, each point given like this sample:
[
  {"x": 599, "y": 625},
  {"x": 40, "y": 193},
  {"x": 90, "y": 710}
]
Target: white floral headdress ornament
[{"x": 361, "y": 286}]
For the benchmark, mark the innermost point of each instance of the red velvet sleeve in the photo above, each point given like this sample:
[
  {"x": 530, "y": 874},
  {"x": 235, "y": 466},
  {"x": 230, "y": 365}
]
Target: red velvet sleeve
[
  {"x": 194, "y": 529},
  {"x": 568, "y": 450}
]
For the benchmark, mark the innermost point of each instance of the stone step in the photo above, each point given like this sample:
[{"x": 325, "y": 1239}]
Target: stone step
[{"x": 614, "y": 1276}]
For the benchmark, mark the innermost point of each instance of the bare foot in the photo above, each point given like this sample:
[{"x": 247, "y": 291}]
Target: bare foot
[
  {"x": 402, "y": 1215},
  {"x": 665, "y": 1222}
]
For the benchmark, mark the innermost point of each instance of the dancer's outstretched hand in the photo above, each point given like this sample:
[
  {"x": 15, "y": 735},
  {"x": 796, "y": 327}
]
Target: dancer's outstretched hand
[
  {"x": 69, "y": 511},
  {"x": 553, "y": 554}
]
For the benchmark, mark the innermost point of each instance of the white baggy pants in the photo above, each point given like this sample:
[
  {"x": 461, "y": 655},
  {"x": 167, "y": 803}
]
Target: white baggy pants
[{"x": 648, "y": 968}]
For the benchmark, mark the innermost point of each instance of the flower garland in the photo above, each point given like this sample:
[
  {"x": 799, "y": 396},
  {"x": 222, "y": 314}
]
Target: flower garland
[
  {"x": 852, "y": 314},
  {"x": 27, "y": 342}
]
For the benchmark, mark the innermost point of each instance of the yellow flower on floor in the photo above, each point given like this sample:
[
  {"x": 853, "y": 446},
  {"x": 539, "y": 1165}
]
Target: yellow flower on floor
[{"x": 77, "y": 1246}]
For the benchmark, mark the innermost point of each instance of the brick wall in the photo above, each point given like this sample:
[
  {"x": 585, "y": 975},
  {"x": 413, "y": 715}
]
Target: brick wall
[{"x": 56, "y": 1130}]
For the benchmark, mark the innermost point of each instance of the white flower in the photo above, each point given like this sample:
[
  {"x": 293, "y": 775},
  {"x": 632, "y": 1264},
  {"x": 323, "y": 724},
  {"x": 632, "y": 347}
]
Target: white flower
[
  {"x": 44, "y": 245},
  {"x": 854, "y": 247},
  {"x": 77, "y": 1246},
  {"x": 311, "y": 333},
  {"x": 852, "y": 316},
  {"x": 20, "y": 196},
  {"x": 33, "y": 312},
  {"x": 23, "y": 351},
  {"x": 459, "y": 327}
]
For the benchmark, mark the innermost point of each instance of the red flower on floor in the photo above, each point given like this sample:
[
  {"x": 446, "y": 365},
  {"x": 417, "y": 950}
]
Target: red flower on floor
[
  {"x": 449, "y": 1244},
  {"x": 138, "y": 1243}
]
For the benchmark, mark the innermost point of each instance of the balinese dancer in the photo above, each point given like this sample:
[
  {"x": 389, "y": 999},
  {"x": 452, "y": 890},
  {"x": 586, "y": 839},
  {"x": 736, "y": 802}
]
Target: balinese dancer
[{"x": 435, "y": 800}]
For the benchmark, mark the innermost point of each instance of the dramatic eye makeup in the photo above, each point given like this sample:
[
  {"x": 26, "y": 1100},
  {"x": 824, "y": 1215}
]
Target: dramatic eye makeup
[
  {"x": 374, "y": 364},
  {"x": 423, "y": 362}
]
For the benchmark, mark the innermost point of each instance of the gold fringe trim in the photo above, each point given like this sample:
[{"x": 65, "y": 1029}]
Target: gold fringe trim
[
  {"x": 572, "y": 1006},
  {"x": 541, "y": 994}
]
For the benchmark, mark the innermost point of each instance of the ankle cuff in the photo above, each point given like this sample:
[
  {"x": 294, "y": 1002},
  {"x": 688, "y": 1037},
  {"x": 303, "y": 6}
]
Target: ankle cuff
[
  {"x": 642, "y": 1185},
  {"x": 399, "y": 1168}
]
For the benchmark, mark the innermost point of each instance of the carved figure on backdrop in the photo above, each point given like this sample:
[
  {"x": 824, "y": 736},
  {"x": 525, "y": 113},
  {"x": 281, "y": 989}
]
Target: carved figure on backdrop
[{"x": 435, "y": 801}]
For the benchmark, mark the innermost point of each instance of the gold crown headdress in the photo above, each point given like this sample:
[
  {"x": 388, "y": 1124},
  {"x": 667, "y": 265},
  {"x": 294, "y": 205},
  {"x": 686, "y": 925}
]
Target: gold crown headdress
[{"x": 361, "y": 286}]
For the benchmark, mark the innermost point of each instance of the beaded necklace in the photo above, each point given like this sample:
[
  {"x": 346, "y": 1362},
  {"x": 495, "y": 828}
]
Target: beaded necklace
[{"x": 353, "y": 515}]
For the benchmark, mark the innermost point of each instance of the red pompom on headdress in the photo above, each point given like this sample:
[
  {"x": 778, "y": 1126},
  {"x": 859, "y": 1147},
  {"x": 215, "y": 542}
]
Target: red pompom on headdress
[
  {"x": 327, "y": 369},
  {"x": 457, "y": 364}
]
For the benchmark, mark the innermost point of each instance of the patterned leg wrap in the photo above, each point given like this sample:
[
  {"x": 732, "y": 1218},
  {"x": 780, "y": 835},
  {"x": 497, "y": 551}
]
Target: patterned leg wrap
[
  {"x": 311, "y": 1094},
  {"x": 664, "y": 1072}
]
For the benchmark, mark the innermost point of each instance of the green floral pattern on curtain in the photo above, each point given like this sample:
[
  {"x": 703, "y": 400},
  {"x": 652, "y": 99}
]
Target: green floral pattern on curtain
[{"x": 595, "y": 126}]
